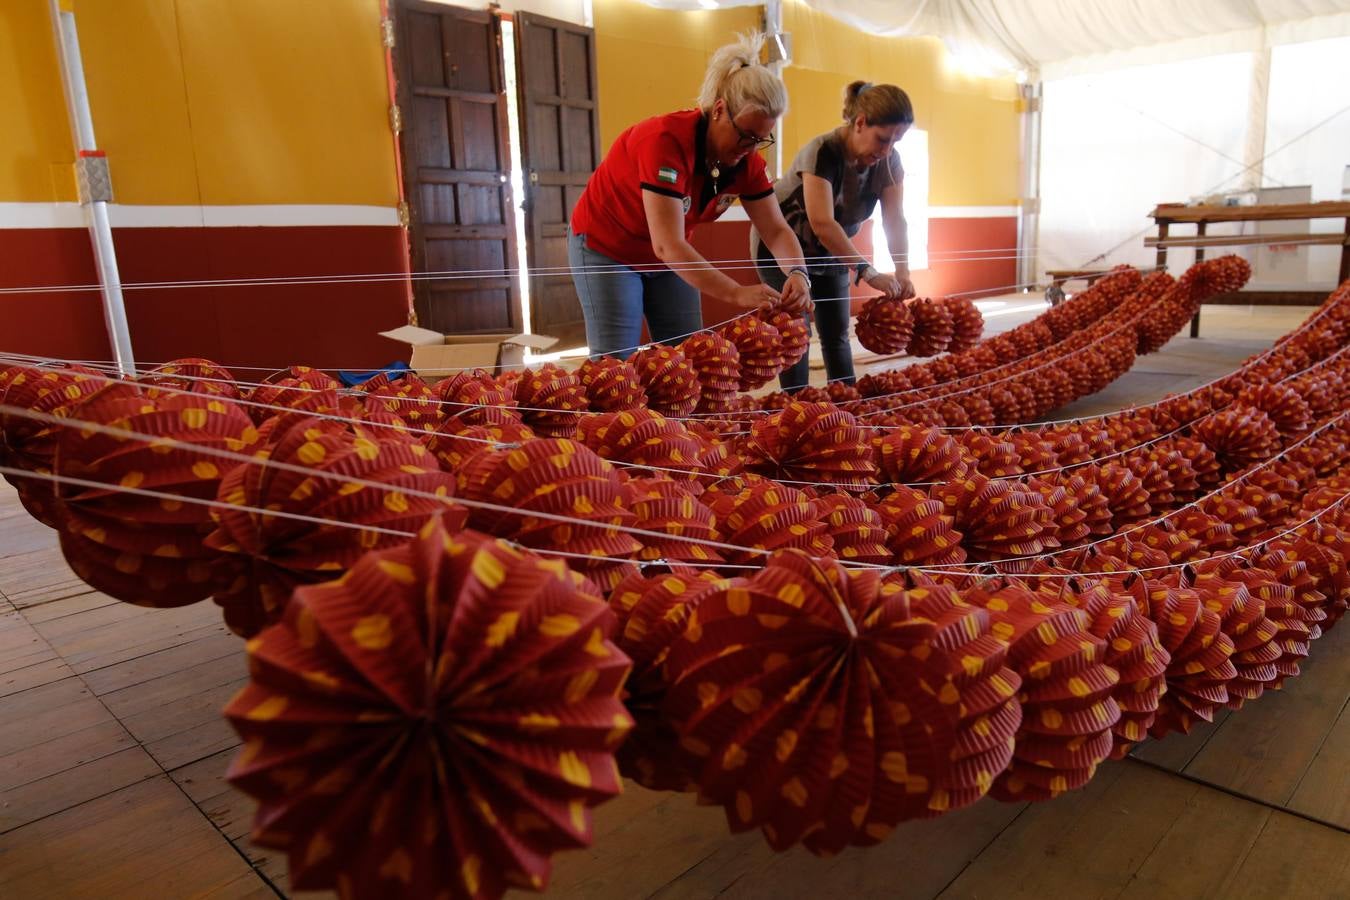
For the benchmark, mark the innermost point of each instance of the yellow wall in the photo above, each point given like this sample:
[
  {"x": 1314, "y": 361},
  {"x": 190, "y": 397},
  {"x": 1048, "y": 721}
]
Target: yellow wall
[
  {"x": 650, "y": 61},
  {"x": 239, "y": 102},
  {"x": 972, "y": 123}
]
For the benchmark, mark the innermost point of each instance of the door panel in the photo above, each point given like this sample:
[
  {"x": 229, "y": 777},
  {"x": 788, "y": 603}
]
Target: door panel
[
  {"x": 456, "y": 166},
  {"x": 561, "y": 137}
]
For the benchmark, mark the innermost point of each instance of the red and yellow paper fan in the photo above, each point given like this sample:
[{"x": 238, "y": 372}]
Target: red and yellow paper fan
[
  {"x": 1071, "y": 525},
  {"x": 997, "y": 518},
  {"x": 551, "y": 401},
  {"x": 1221, "y": 275},
  {"x": 1087, "y": 496},
  {"x": 765, "y": 516},
  {"x": 885, "y": 326},
  {"x": 652, "y": 613},
  {"x": 1293, "y": 605},
  {"x": 967, "y": 323},
  {"x": 1035, "y": 453},
  {"x": 558, "y": 478},
  {"x": 1208, "y": 471},
  {"x": 30, "y": 442},
  {"x": 299, "y": 388},
  {"x": 1134, "y": 650},
  {"x": 1241, "y": 517},
  {"x": 356, "y": 490},
  {"x": 456, "y": 441},
  {"x": 1214, "y": 534},
  {"x": 1125, "y": 493},
  {"x": 641, "y": 437},
  {"x": 841, "y": 393},
  {"x": 718, "y": 458},
  {"x": 1201, "y": 666},
  {"x": 148, "y": 549},
  {"x": 918, "y": 530},
  {"x": 611, "y": 384},
  {"x": 933, "y": 326},
  {"x": 1289, "y": 411},
  {"x": 1254, "y": 635},
  {"x": 858, "y": 531},
  {"x": 1269, "y": 492},
  {"x": 410, "y": 399},
  {"x": 475, "y": 398},
  {"x": 672, "y": 384},
  {"x": 989, "y": 711},
  {"x": 812, "y": 442},
  {"x": 1326, "y": 549},
  {"x": 718, "y": 364},
  {"x": 195, "y": 375},
  {"x": 994, "y": 457},
  {"x": 817, "y": 706},
  {"x": 1180, "y": 471},
  {"x": 1068, "y": 708},
  {"x": 670, "y": 508},
  {"x": 793, "y": 336},
  {"x": 760, "y": 348},
  {"x": 1239, "y": 436},
  {"x": 1006, "y": 406},
  {"x": 436, "y": 724},
  {"x": 1153, "y": 477},
  {"x": 1163, "y": 536}
]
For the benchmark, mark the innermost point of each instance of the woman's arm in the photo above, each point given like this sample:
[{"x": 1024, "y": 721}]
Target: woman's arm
[
  {"x": 665, "y": 223},
  {"x": 819, "y": 197},
  {"x": 767, "y": 219},
  {"x": 897, "y": 234}
]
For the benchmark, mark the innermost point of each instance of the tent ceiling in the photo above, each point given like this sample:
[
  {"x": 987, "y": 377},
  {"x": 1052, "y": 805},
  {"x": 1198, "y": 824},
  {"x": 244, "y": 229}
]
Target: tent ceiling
[{"x": 1034, "y": 34}]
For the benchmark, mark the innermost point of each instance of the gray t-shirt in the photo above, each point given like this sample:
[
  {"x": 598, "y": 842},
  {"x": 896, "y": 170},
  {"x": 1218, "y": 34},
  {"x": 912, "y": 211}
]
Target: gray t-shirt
[{"x": 856, "y": 192}]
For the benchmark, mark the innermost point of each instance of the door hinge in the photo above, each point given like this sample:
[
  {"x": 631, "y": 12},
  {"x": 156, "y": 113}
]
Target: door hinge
[
  {"x": 404, "y": 214},
  {"x": 396, "y": 119},
  {"x": 387, "y": 32}
]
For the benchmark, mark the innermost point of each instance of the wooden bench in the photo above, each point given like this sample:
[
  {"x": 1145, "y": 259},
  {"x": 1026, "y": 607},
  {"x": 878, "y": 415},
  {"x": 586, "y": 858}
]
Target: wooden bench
[{"x": 1168, "y": 214}]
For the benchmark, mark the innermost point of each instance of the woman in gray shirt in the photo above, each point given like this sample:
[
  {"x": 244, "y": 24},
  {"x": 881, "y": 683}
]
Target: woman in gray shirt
[{"x": 832, "y": 187}]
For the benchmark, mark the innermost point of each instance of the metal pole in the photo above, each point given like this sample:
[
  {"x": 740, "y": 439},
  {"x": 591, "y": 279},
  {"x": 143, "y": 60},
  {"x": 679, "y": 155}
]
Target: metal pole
[
  {"x": 95, "y": 188},
  {"x": 773, "y": 26},
  {"x": 1029, "y": 221}
]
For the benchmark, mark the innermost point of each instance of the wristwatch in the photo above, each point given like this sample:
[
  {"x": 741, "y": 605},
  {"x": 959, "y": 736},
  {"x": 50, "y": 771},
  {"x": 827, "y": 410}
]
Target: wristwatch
[
  {"x": 804, "y": 273},
  {"x": 865, "y": 272}
]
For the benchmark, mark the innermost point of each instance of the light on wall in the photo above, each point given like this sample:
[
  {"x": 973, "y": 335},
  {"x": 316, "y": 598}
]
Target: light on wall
[
  {"x": 914, "y": 160},
  {"x": 708, "y": 4}
]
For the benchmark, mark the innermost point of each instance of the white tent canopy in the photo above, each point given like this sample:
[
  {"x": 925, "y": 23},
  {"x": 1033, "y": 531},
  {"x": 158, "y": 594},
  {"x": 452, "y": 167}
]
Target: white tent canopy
[{"x": 1061, "y": 37}]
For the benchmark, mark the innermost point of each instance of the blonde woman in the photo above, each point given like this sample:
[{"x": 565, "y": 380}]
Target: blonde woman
[
  {"x": 629, "y": 235},
  {"x": 832, "y": 187}
]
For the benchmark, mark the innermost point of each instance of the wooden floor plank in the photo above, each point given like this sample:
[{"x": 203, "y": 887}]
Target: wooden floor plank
[
  {"x": 32, "y": 801},
  {"x": 1295, "y": 858},
  {"x": 144, "y": 840},
  {"x": 130, "y": 635},
  {"x": 1085, "y": 843},
  {"x": 1265, "y": 749},
  {"x": 39, "y": 575},
  {"x": 62, "y": 753},
  {"x": 1324, "y": 792},
  {"x": 188, "y": 727},
  {"x": 170, "y": 661},
  {"x": 46, "y": 712},
  {"x": 1174, "y": 751}
]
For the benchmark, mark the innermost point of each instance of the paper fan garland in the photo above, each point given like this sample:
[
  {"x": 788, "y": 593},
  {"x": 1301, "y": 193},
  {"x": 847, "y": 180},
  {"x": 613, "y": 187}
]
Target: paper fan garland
[
  {"x": 672, "y": 384},
  {"x": 858, "y": 531},
  {"x": 718, "y": 364},
  {"x": 813, "y": 703},
  {"x": 765, "y": 516},
  {"x": 932, "y": 326},
  {"x": 989, "y": 711},
  {"x": 475, "y": 398},
  {"x": 670, "y": 508},
  {"x": 30, "y": 443},
  {"x": 885, "y": 326},
  {"x": 760, "y": 348},
  {"x": 812, "y": 442},
  {"x": 148, "y": 550},
  {"x": 996, "y": 518},
  {"x": 551, "y": 399},
  {"x": 641, "y": 437},
  {"x": 410, "y": 398},
  {"x": 1239, "y": 436},
  {"x": 194, "y": 375},
  {"x": 919, "y": 530},
  {"x": 298, "y": 387},
  {"x": 382, "y": 475},
  {"x": 455, "y": 441},
  {"x": 967, "y": 323},
  {"x": 652, "y": 612},
  {"x": 1201, "y": 665},
  {"x": 793, "y": 336},
  {"x": 612, "y": 385},
  {"x": 1068, "y": 708},
  {"x": 436, "y": 724}
]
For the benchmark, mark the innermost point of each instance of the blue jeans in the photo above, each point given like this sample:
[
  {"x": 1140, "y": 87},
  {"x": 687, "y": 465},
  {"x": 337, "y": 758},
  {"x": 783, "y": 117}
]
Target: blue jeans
[
  {"x": 828, "y": 285},
  {"x": 615, "y": 299}
]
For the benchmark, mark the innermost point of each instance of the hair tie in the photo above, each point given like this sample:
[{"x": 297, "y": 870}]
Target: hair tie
[{"x": 866, "y": 85}]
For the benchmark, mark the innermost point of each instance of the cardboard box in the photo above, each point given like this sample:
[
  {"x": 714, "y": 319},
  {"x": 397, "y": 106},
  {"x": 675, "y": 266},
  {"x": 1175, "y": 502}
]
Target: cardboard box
[{"x": 438, "y": 355}]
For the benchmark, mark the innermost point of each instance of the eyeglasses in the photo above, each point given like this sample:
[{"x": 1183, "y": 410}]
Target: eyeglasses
[{"x": 750, "y": 139}]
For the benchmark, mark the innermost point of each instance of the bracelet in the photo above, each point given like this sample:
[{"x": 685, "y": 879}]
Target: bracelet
[
  {"x": 799, "y": 270},
  {"x": 865, "y": 272}
]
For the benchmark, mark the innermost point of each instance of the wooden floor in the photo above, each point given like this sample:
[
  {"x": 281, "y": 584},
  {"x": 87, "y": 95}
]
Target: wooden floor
[{"x": 112, "y": 749}]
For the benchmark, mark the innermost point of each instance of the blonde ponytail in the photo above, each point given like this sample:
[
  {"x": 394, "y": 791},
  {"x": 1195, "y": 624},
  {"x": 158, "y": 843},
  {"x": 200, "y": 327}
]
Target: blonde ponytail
[{"x": 736, "y": 76}]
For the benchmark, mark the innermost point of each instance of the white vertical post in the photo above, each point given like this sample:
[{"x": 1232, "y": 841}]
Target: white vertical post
[
  {"x": 1258, "y": 99},
  {"x": 1029, "y": 217},
  {"x": 773, "y": 26},
  {"x": 95, "y": 191}
]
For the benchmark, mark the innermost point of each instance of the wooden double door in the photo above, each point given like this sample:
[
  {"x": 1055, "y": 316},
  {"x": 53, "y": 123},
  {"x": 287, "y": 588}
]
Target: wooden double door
[{"x": 452, "y": 84}]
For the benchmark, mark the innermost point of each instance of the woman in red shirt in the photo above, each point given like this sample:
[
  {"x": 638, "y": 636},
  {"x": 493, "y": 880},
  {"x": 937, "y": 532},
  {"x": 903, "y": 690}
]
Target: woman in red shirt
[{"x": 629, "y": 235}]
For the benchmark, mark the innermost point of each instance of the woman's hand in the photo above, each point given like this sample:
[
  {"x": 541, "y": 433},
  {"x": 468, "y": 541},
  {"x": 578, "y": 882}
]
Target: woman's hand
[
  {"x": 754, "y": 297},
  {"x": 906, "y": 286},
  {"x": 889, "y": 285},
  {"x": 796, "y": 297}
]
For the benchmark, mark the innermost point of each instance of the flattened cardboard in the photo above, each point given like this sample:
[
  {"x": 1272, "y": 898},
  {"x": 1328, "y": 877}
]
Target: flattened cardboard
[{"x": 436, "y": 355}]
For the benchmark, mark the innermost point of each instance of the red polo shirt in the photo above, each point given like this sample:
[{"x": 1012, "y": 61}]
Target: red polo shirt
[{"x": 663, "y": 154}]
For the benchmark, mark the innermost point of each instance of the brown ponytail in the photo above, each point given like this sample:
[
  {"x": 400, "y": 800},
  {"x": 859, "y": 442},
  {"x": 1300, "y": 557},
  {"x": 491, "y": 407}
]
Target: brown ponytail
[{"x": 878, "y": 104}]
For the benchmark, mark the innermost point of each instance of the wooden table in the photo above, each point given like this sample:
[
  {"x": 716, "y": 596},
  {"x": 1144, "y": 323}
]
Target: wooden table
[
  {"x": 1168, "y": 214},
  {"x": 1054, "y": 294}
]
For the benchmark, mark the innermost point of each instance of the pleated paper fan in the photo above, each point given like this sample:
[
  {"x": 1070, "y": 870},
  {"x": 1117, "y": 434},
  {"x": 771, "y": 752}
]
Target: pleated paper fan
[
  {"x": 814, "y": 703},
  {"x": 885, "y": 326},
  {"x": 437, "y": 723},
  {"x": 194, "y": 375},
  {"x": 812, "y": 442}
]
